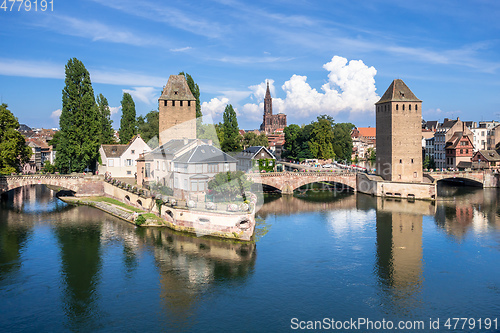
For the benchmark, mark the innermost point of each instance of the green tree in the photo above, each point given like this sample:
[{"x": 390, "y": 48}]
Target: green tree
[
  {"x": 321, "y": 142},
  {"x": 292, "y": 145},
  {"x": 195, "y": 90},
  {"x": 342, "y": 141},
  {"x": 251, "y": 139},
  {"x": 230, "y": 184},
  {"x": 79, "y": 123},
  {"x": 148, "y": 127},
  {"x": 13, "y": 149},
  {"x": 128, "y": 124},
  {"x": 202, "y": 132},
  {"x": 107, "y": 132},
  {"x": 232, "y": 140}
]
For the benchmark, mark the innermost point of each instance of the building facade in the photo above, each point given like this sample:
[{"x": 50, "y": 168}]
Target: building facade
[
  {"x": 177, "y": 107},
  {"x": 271, "y": 122},
  {"x": 120, "y": 161},
  {"x": 399, "y": 134}
]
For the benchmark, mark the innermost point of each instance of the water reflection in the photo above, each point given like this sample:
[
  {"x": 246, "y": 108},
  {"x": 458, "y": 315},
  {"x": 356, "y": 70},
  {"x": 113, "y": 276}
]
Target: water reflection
[
  {"x": 364, "y": 251},
  {"x": 461, "y": 210},
  {"x": 189, "y": 266}
]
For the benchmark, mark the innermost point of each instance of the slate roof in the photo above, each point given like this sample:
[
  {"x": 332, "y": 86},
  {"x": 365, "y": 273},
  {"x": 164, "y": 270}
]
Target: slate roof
[
  {"x": 398, "y": 91},
  {"x": 490, "y": 155},
  {"x": 177, "y": 89},
  {"x": 113, "y": 151},
  {"x": 205, "y": 154},
  {"x": 251, "y": 152}
]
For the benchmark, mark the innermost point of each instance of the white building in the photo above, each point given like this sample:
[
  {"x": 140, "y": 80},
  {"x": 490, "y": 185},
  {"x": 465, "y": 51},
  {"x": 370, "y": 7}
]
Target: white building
[
  {"x": 480, "y": 138},
  {"x": 120, "y": 161}
]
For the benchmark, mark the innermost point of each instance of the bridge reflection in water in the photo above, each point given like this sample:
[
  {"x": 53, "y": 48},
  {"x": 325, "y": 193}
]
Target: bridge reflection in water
[{"x": 92, "y": 245}]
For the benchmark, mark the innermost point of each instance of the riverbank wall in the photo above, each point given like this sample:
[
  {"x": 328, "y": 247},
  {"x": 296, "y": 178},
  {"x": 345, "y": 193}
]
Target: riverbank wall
[{"x": 377, "y": 186}]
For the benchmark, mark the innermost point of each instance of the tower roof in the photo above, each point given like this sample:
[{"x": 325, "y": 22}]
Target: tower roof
[
  {"x": 398, "y": 91},
  {"x": 268, "y": 93},
  {"x": 177, "y": 89}
]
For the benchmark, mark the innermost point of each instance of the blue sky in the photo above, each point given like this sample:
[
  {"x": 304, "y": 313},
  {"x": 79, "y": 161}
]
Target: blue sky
[{"x": 320, "y": 57}]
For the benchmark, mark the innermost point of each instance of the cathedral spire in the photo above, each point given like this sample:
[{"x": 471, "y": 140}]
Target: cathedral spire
[{"x": 268, "y": 93}]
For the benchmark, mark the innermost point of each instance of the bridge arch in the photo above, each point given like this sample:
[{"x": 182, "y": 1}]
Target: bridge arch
[
  {"x": 74, "y": 183},
  {"x": 461, "y": 180}
]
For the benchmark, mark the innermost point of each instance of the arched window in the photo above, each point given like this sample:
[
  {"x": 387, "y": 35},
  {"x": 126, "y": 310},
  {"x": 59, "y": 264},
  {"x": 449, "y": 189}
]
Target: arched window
[
  {"x": 397, "y": 107},
  {"x": 409, "y": 107},
  {"x": 416, "y": 107},
  {"x": 403, "y": 107}
]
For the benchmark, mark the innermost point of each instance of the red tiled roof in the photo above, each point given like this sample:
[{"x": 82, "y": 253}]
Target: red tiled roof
[{"x": 367, "y": 131}]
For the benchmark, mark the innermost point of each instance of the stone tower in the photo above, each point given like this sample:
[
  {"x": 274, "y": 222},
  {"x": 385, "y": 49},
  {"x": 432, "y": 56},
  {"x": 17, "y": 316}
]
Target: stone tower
[
  {"x": 399, "y": 134},
  {"x": 177, "y": 107},
  {"x": 270, "y": 122}
]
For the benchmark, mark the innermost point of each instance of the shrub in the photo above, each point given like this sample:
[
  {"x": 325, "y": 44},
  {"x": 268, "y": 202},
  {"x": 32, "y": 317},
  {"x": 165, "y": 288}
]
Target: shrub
[{"x": 140, "y": 220}]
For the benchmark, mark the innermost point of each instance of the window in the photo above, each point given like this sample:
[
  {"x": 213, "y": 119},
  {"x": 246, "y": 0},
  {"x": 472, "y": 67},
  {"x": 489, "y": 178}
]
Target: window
[
  {"x": 461, "y": 151},
  {"x": 128, "y": 162},
  {"x": 397, "y": 107},
  {"x": 412, "y": 160},
  {"x": 189, "y": 103},
  {"x": 173, "y": 103},
  {"x": 129, "y": 172},
  {"x": 226, "y": 167},
  {"x": 416, "y": 107},
  {"x": 400, "y": 161},
  {"x": 199, "y": 168},
  {"x": 164, "y": 165},
  {"x": 403, "y": 107},
  {"x": 212, "y": 168},
  {"x": 157, "y": 165},
  {"x": 180, "y": 103},
  {"x": 409, "y": 107},
  {"x": 414, "y": 175},
  {"x": 165, "y": 103},
  {"x": 111, "y": 162},
  {"x": 132, "y": 151}
]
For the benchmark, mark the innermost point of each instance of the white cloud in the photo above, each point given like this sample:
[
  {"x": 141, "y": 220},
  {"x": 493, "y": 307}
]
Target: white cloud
[
  {"x": 181, "y": 49},
  {"x": 215, "y": 107},
  {"x": 37, "y": 69},
  {"x": 56, "y": 114},
  {"x": 114, "y": 109},
  {"x": 96, "y": 31},
  {"x": 50, "y": 70},
  {"x": 147, "y": 95},
  {"x": 350, "y": 88}
]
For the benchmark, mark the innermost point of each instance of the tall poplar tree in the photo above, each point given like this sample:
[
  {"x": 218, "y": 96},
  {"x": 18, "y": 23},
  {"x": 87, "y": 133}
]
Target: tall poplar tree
[
  {"x": 195, "y": 90},
  {"x": 78, "y": 142},
  {"x": 107, "y": 132},
  {"x": 232, "y": 137},
  {"x": 128, "y": 122}
]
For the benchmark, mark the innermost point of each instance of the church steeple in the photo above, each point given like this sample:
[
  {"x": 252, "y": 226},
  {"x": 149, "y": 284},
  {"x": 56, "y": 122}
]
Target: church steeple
[{"x": 268, "y": 102}]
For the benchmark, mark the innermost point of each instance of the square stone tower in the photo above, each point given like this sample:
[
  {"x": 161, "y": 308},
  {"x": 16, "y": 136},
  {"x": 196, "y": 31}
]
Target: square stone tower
[
  {"x": 399, "y": 134},
  {"x": 177, "y": 107}
]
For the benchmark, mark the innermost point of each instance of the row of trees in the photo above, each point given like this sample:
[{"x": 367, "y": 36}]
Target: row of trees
[
  {"x": 321, "y": 139},
  {"x": 85, "y": 121}
]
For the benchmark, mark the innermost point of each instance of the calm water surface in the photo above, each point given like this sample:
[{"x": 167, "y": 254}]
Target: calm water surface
[{"x": 65, "y": 268}]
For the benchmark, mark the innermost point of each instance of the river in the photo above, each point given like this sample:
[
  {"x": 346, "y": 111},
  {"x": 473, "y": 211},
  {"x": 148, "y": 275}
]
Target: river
[{"x": 319, "y": 258}]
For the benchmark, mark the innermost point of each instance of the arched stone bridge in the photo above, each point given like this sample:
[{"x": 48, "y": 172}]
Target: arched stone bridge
[
  {"x": 82, "y": 185},
  {"x": 481, "y": 178},
  {"x": 287, "y": 182}
]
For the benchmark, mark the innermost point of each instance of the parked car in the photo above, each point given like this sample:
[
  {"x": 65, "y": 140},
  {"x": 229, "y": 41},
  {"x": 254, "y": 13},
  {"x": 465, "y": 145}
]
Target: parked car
[{"x": 327, "y": 166}]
